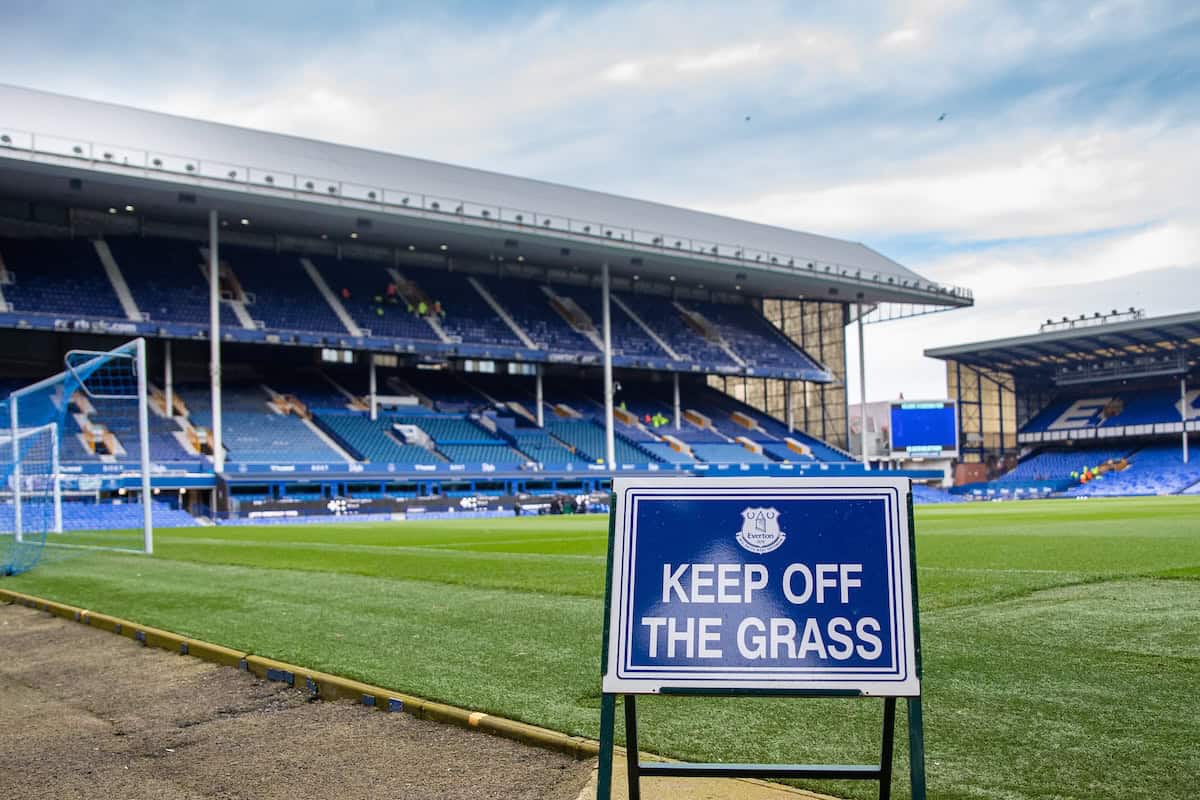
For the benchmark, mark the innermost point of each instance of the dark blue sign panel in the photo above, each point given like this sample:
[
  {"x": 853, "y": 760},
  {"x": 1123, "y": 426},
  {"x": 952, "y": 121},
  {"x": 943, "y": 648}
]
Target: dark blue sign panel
[
  {"x": 928, "y": 428},
  {"x": 761, "y": 583}
]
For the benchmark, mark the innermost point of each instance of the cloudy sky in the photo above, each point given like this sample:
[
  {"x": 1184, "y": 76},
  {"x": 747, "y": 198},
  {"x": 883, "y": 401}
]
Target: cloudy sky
[{"x": 1064, "y": 179}]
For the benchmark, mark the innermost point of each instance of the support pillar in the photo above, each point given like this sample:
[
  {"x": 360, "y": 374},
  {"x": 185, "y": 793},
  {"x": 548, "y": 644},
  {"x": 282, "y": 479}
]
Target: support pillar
[
  {"x": 214, "y": 338},
  {"x": 372, "y": 387},
  {"x": 541, "y": 414},
  {"x": 862, "y": 391},
  {"x": 169, "y": 378},
  {"x": 1183, "y": 412},
  {"x": 789, "y": 411},
  {"x": 144, "y": 447},
  {"x": 56, "y": 479},
  {"x": 14, "y": 420},
  {"x": 675, "y": 380},
  {"x": 610, "y": 446}
]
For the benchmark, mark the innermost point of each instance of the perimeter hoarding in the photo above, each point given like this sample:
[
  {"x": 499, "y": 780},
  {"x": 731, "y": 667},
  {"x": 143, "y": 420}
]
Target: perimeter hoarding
[{"x": 764, "y": 585}]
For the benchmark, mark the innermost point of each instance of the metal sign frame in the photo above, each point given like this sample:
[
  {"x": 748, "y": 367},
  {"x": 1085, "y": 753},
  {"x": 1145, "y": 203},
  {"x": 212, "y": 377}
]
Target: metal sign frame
[{"x": 621, "y": 677}]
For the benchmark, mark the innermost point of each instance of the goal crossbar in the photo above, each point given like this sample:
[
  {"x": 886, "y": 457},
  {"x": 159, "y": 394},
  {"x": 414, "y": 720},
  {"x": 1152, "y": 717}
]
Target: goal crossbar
[{"x": 135, "y": 351}]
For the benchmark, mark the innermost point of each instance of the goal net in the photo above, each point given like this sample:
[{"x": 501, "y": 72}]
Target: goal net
[{"x": 75, "y": 460}]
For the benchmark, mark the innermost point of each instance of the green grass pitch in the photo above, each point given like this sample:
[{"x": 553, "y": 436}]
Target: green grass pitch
[{"x": 1061, "y": 638}]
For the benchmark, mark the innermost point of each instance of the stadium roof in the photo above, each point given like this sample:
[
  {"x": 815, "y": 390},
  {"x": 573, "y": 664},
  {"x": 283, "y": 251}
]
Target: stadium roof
[
  {"x": 291, "y": 184},
  {"x": 1172, "y": 339}
]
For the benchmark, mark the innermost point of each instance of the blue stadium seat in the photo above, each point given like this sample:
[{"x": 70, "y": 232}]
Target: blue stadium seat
[{"x": 58, "y": 276}]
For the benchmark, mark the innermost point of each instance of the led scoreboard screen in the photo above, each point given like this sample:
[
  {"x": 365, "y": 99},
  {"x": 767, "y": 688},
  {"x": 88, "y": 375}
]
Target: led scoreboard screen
[{"x": 926, "y": 429}]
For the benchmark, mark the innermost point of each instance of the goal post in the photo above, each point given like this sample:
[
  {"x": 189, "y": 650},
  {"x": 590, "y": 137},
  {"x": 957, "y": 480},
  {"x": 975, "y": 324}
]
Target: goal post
[
  {"x": 96, "y": 411},
  {"x": 102, "y": 376}
]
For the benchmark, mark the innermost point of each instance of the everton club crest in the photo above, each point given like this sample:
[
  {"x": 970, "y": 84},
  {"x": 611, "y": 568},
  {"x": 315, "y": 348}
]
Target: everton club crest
[{"x": 760, "y": 530}]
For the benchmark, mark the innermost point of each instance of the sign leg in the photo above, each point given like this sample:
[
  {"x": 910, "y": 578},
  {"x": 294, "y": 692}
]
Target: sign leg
[
  {"x": 916, "y": 748},
  {"x": 886, "y": 749},
  {"x": 633, "y": 765},
  {"x": 608, "y": 704}
]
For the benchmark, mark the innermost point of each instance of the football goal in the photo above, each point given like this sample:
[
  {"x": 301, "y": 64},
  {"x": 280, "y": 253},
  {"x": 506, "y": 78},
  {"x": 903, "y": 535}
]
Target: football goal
[{"x": 75, "y": 459}]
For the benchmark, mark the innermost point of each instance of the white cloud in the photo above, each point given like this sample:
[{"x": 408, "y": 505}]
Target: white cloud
[
  {"x": 1043, "y": 184},
  {"x": 623, "y": 71},
  {"x": 726, "y": 58},
  {"x": 901, "y": 37}
]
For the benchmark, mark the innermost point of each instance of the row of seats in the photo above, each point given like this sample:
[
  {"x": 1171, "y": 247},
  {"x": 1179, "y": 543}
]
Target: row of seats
[
  {"x": 166, "y": 279},
  {"x": 373, "y": 440},
  {"x": 89, "y": 516},
  {"x": 1153, "y": 470},
  {"x": 1075, "y": 411},
  {"x": 1057, "y": 463}
]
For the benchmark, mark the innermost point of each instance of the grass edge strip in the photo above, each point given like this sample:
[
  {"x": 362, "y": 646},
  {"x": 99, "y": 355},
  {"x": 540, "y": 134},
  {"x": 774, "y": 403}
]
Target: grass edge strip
[{"x": 318, "y": 684}]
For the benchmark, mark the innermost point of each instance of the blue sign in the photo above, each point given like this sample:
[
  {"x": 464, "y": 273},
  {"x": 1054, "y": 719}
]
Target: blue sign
[{"x": 795, "y": 584}]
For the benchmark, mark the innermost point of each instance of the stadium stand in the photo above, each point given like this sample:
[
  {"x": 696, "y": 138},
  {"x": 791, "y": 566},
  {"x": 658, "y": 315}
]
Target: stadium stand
[
  {"x": 362, "y": 289},
  {"x": 278, "y": 292},
  {"x": 1109, "y": 410},
  {"x": 467, "y": 316},
  {"x": 752, "y": 337},
  {"x": 542, "y": 448},
  {"x": 587, "y": 437},
  {"x": 529, "y": 306},
  {"x": 1153, "y": 470},
  {"x": 167, "y": 279},
  {"x": 372, "y": 441},
  {"x": 58, "y": 276},
  {"x": 1059, "y": 463},
  {"x": 660, "y": 314},
  {"x": 924, "y": 495},
  {"x": 628, "y": 337},
  {"x": 78, "y": 515},
  {"x": 255, "y": 433}
]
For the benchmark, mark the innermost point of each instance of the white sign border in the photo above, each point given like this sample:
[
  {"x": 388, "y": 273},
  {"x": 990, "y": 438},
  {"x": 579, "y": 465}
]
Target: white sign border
[{"x": 904, "y": 682}]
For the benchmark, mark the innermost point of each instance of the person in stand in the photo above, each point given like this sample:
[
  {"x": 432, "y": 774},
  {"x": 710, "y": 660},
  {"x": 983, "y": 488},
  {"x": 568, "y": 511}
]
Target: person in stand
[
  {"x": 345, "y": 293},
  {"x": 422, "y": 309},
  {"x": 437, "y": 308}
]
